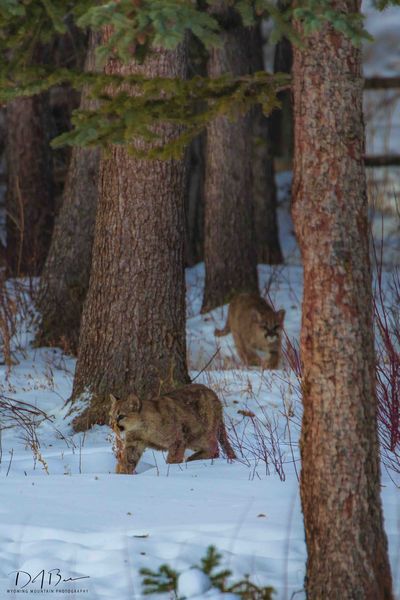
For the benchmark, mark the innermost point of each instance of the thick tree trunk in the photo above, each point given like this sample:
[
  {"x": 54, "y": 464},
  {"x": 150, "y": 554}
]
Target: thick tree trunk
[
  {"x": 29, "y": 198},
  {"x": 264, "y": 188},
  {"x": 346, "y": 543},
  {"x": 65, "y": 277},
  {"x": 133, "y": 325},
  {"x": 230, "y": 253}
]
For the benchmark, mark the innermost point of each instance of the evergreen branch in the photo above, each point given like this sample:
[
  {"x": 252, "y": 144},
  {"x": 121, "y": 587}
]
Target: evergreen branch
[
  {"x": 163, "y": 580},
  {"x": 142, "y": 122},
  {"x": 151, "y": 105},
  {"x": 382, "y": 4},
  {"x": 158, "y": 117},
  {"x": 140, "y": 26}
]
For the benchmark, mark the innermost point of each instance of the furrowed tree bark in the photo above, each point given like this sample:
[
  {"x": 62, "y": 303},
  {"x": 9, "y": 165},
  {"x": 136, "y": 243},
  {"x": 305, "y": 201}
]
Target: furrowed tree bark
[
  {"x": 264, "y": 188},
  {"x": 230, "y": 253},
  {"x": 29, "y": 197},
  {"x": 340, "y": 479},
  {"x": 65, "y": 277},
  {"x": 133, "y": 324}
]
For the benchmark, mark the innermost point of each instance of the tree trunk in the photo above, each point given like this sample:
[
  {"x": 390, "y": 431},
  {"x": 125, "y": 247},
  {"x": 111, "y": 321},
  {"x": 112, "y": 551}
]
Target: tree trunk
[
  {"x": 194, "y": 197},
  {"x": 194, "y": 202},
  {"x": 69, "y": 49},
  {"x": 340, "y": 479},
  {"x": 264, "y": 188},
  {"x": 133, "y": 324},
  {"x": 65, "y": 277},
  {"x": 281, "y": 121},
  {"x": 29, "y": 198},
  {"x": 230, "y": 253}
]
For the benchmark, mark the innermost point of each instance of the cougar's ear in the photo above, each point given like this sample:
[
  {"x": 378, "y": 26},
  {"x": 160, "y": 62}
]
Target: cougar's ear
[
  {"x": 281, "y": 315},
  {"x": 114, "y": 400},
  {"x": 134, "y": 403}
]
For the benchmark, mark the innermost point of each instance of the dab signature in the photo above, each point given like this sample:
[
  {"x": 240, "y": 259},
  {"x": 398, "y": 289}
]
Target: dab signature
[{"x": 51, "y": 578}]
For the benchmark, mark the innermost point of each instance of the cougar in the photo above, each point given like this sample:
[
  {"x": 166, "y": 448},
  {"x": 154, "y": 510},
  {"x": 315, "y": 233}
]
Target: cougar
[
  {"x": 256, "y": 329},
  {"x": 186, "y": 418}
]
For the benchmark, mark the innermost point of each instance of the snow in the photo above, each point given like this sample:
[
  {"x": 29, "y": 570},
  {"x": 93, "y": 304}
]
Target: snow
[
  {"x": 77, "y": 516},
  {"x": 192, "y": 583},
  {"x": 86, "y": 521}
]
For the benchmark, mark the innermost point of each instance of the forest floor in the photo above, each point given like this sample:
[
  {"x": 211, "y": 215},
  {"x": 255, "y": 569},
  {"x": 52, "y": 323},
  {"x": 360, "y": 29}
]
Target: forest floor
[{"x": 63, "y": 508}]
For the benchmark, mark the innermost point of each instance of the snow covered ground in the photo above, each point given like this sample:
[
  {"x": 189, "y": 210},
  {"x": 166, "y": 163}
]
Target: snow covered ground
[{"x": 77, "y": 517}]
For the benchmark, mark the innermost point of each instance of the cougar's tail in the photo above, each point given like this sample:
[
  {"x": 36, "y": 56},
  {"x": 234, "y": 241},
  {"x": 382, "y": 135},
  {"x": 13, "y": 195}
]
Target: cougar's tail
[
  {"x": 224, "y": 331},
  {"x": 225, "y": 443}
]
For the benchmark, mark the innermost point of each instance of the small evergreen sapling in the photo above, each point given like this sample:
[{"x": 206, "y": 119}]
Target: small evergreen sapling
[
  {"x": 166, "y": 579},
  {"x": 163, "y": 580}
]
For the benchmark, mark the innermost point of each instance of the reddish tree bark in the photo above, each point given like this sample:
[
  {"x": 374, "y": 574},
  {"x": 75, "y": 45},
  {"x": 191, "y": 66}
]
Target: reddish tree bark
[{"x": 340, "y": 479}]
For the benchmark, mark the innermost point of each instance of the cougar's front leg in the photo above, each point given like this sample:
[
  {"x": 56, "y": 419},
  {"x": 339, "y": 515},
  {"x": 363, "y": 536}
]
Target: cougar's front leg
[
  {"x": 246, "y": 354},
  {"x": 131, "y": 456},
  {"x": 176, "y": 452}
]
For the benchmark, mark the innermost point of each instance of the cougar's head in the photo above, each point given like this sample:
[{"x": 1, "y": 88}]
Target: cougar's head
[
  {"x": 121, "y": 410},
  {"x": 270, "y": 327}
]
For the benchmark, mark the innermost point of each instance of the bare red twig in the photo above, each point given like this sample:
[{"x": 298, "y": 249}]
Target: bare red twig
[{"x": 387, "y": 325}]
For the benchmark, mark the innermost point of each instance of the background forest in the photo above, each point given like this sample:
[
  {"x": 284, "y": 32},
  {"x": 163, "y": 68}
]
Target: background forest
[{"x": 158, "y": 158}]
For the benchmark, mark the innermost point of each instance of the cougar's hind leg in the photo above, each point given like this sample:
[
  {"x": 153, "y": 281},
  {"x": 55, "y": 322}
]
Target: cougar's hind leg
[
  {"x": 225, "y": 443},
  {"x": 211, "y": 450}
]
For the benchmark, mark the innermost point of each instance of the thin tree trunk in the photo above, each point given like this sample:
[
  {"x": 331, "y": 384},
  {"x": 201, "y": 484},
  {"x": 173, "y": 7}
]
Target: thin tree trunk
[
  {"x": 194, "y": 202},
  {"x": 340, "y": 479},
  {"x": 281, "y": 121},
  {"x": 382, "y": 161},
  {"x": 29, "y": 198},
  {"x": 65, "y": 277},
  {"x": 133, "y": 325},
  {"x": 67, "y": 50},
  {"x": 382, "y": 83},
  {"x": 194, "y": 196},
  {"x": 63, "y": 101},
  {"x": 264, "y": 188},
  {"x": 230, "y": 253}
]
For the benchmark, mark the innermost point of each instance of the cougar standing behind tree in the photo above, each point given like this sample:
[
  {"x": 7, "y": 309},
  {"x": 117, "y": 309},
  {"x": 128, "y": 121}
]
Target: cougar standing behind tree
[
  {"x": 190, "y": 417},
  {"x": 256, "y": 329}
]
